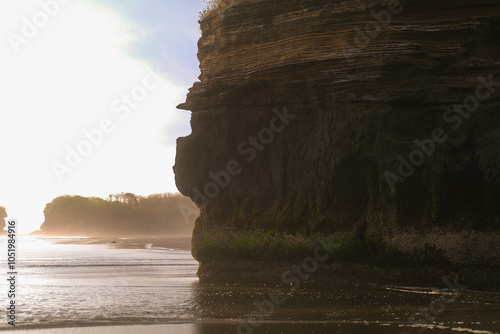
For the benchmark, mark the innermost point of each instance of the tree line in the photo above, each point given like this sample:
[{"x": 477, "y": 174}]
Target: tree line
[{"x": 119, "y": 214}]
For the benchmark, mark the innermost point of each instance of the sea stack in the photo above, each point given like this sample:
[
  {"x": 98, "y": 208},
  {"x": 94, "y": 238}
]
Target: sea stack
[{"x": 371, "y": 125}]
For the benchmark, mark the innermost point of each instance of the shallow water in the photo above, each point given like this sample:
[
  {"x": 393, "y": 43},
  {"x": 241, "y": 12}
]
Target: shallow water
[{"x": 80, "y": 282}]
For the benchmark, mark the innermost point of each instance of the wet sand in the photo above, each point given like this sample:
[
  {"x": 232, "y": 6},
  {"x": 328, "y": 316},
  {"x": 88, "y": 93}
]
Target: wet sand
[
  {"x": 132, "y": 329},
  {"x": 214, "y": 308},
  {"x": 267, "y": 327}
]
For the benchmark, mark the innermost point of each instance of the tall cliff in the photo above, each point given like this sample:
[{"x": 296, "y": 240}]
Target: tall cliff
[{"x": 373, "y": 124}]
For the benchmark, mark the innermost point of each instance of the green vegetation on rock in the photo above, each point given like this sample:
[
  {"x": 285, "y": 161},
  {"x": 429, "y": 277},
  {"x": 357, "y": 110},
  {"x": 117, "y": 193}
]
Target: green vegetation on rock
[
  {"x": 211, "y": 5},
  {"x": 372, "y": 247},
  {"x": 276, "y": 246},
  {"x": 251, "y": 245}
]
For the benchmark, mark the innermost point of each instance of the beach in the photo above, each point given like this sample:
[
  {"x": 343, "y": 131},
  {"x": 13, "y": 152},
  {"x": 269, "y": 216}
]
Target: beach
[{"x": 149, "y": 285}]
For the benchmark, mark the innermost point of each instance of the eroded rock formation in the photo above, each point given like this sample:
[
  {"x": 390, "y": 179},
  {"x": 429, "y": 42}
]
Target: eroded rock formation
[{"x": 374, "y": 124}]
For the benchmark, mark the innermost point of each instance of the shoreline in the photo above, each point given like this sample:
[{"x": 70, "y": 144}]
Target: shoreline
[
  {"x": 59, "y": 327},
  {"x": 173, "y": 328},
  {"x": 181, "y": 241},
  {"x": 481, "y": 278}
]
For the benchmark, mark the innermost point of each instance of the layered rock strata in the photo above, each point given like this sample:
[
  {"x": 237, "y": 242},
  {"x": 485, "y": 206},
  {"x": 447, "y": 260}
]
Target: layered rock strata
[{"x": 373, "y": 125}]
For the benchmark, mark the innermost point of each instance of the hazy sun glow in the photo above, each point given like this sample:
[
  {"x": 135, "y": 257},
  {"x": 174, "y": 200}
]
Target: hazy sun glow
[{"x": 64, "y": 82}]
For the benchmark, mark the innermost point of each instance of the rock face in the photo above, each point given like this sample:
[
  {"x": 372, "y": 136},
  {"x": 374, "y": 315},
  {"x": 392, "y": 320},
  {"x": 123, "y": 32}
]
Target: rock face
[{"x": 373, "y": 124}]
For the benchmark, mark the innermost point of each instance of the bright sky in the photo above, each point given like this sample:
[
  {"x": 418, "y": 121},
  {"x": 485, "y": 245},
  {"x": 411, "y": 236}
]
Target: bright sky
[{"x": 88, "y": 93}]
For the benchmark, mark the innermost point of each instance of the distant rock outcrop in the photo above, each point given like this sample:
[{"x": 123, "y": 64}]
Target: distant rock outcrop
[
  {"x": 372, "y": 124},
  {"x": 121, "y": 214}
]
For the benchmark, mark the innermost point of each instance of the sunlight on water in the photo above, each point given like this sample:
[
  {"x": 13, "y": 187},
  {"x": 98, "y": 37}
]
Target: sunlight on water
[{"x": 97, "y": 283}]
